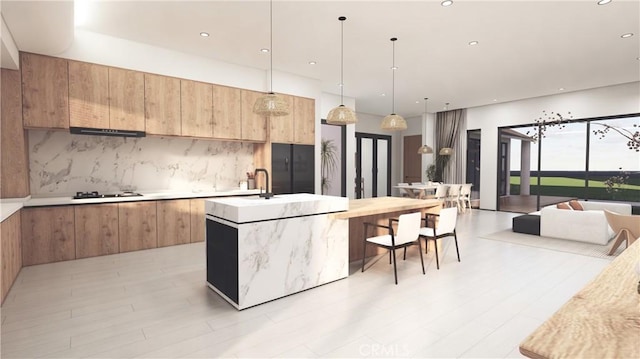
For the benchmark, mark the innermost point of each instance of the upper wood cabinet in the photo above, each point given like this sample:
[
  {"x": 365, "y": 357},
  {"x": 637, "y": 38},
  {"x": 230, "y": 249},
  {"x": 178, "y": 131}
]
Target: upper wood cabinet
[
  {"x": 162, "y": 105},
  {"x": 304, "y": 120},
  {"x": 96, "y": 230},
  {"x": 105, "y": 97},
  {"x": 281, "y": 127},
  {"x": 88, "y": 95},
  {"x": 254, "y": 126},
  {"x": 126, "y": 100},
  {"x": 296, "y": 127},
  {"x": 45, "y": 91},
  {"x": 227, "y": 113},
  {"x": 196, "y": 99},
  {"x": 47, "y": 235},
  {"x": 14, "y": 161}
]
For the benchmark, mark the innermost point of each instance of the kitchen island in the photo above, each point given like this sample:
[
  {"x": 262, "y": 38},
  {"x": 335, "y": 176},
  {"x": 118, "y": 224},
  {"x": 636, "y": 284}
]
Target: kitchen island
[{"x": 261, "y": 249}]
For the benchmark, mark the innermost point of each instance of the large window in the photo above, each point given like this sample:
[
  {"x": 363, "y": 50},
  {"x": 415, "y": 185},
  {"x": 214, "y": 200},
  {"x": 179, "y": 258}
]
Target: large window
[{"x": 570, "y": 161}]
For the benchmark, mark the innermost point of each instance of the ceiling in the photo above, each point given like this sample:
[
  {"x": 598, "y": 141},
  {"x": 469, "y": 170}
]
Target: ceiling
[{"x": 525, "y": 48}]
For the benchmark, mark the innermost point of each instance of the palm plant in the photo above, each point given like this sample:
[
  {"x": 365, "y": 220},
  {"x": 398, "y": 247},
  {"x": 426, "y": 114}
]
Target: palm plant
[{"x": 328, "y": 162}]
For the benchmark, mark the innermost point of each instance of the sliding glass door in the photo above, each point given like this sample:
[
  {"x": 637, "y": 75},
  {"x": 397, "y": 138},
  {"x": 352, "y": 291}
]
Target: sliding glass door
[{"x": 373, "y": 168}]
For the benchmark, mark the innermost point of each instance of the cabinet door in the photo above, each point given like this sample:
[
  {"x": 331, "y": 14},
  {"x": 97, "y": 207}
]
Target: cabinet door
[
  {"x": 254, "y": 126},
  {"x": 47, "y": 235},
  {"x": 96, "y": 229},
  {"x": 196, "y": 99},
  {"x": 126, "y": 100},
  {"x": 45, "y": 91},
  {"x": 198, "y": 231},
  {"x": 14, "y": 162},
  {"x": 174, "y": 222},
  {"x": 162, "y": 105},
  {"x": 227, "y": 114},
  {"x": 10, "y": 251},
  {"x": 281, "y": 127},
  {"x": 304, "y": 120},
  {"x": 88, "y": 95},
  {"x": 137, "y": 226}
]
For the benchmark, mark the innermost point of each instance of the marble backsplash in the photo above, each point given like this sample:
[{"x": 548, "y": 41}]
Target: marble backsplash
[{"x": 62, "y": 163}]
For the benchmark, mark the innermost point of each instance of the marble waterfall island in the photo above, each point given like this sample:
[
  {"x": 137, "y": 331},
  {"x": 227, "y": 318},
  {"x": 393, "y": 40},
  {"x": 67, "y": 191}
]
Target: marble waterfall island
[{"x": 261, "y": 249}]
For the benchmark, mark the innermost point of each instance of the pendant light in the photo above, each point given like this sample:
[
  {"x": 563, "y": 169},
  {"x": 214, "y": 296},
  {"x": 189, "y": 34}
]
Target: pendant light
[
  {"x": 271, "y": 104},
  {"x": 424, "y": 149},
  {"x": 341, "y": 115},
  {"x": 393, "y": 122}
]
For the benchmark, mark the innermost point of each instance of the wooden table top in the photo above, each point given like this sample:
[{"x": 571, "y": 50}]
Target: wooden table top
[
  {"x": 370, "y": 206},
  {"x": 601, "y": 321}
]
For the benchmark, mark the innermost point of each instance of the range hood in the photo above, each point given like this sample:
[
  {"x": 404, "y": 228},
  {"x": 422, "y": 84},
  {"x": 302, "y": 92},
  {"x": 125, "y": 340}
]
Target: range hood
[{"x": 105, "y": 132}]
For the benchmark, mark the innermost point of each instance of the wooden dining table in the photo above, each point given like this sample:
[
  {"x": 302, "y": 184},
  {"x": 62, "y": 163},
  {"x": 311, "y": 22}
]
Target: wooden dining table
[{"x": 417, "y": 190}]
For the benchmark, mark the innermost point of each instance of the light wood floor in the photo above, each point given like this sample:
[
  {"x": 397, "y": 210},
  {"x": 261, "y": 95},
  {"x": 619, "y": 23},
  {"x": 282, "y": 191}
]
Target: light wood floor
[{"x": 154, "y": 304}]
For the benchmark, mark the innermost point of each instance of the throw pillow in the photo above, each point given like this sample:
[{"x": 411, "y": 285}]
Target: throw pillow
[
  {"x": 563, "y": 205},
  {"x": 575, "y": 205}
]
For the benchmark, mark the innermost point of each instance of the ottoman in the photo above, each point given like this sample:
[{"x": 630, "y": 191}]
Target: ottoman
[{"x": 528, "y": 224}]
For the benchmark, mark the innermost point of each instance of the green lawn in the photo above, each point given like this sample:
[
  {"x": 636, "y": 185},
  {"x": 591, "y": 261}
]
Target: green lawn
[{"x": 569, "y": 182}]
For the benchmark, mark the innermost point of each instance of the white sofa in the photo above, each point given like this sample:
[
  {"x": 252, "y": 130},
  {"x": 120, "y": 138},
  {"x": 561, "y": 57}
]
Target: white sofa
[{"x": 589, "y": 225}]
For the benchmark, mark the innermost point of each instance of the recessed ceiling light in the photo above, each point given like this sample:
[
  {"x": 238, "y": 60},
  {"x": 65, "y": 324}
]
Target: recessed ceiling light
[
  {"x": 561, "y": 89},
  {"x": 495, "y": 100},
  {"x": 264, "y": 50},
  {"x": 204, "y": 34},
  {"x": 624, "y": 36},
  {"x": 417, "y": 101},
  {"x": 340, "y": 85},
  {"x": 446, "y": 3},
  {"x": 472, "y": 43},
  {"x": 383, "y": 94},
  {"x": 394, "y": 67},
  {"x": 603, "y": 2},
  {"x": 312, "y": 62}
]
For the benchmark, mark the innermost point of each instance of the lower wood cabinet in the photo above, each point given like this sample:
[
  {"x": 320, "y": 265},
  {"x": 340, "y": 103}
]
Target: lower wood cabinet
[
  {"x": 96, "y": 229},
  {"x": 198, "y": 229},
  {"x": 174, "y": 222},
  {"x": 10, "y": 252},
  {"x": 48, "y": 235},
  {"x": 137, "y": 226}
]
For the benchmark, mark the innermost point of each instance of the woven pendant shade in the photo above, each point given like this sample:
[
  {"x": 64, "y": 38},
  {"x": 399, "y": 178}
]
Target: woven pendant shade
[
  {"x": 341, "y": 115},
  {"x": 446, "y": 151},
  {"x": 271, "y": 105},
  {"x": 393, "y": 122},
  {"x": 425, "y": 150}
]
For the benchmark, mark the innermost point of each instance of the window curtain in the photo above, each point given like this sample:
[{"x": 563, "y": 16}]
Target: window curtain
[{"x": 451, "y": 132}]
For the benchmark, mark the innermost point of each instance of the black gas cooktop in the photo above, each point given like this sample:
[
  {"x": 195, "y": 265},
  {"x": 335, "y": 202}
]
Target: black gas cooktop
[{"x": 96, "y": 194}]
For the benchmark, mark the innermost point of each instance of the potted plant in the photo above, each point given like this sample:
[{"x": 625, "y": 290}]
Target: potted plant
[{"x": 328, "y": 161}]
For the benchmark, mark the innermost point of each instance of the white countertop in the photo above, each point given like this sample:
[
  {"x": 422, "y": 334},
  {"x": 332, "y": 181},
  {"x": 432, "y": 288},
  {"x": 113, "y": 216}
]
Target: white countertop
[
  {"x": 12, "y": 205},
  {"x": 242, "y": 210}
]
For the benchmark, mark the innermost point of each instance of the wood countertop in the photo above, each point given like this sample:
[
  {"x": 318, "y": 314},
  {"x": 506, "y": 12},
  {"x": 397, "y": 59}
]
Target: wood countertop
[
  {"x": 379, "y": 205},
  {"x": 601, "y": 321}
]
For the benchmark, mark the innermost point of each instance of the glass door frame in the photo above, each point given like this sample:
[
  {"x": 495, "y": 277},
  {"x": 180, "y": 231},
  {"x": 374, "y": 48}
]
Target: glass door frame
[{"x": 375, "y": 138}]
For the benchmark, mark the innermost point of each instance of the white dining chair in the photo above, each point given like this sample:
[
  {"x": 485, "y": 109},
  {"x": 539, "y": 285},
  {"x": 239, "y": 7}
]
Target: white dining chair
[
  {"x": 444, "y": 226},
  {"x": 465, "y": 196},
  {"x": 453, "y": 196},
  {"x": 407, "y": 235}
]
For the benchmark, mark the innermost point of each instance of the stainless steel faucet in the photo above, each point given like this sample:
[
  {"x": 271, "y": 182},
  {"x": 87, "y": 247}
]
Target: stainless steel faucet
[{"x": 266, "y": 194}]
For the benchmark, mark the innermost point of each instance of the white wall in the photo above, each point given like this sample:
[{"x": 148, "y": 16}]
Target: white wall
[
  {"x": 112, "y": 51},
  {"x": 604, "y": 101},
  {"x": 9, "y": 58}
]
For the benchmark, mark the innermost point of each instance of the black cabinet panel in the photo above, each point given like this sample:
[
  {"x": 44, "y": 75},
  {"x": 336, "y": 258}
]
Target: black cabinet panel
[
  {"x": 292, "y": 168},
  {"x": 222, "y": 258}
]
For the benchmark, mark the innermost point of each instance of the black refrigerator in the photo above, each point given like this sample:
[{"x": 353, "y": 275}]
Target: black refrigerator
[{"x": 292, "y": 168}]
